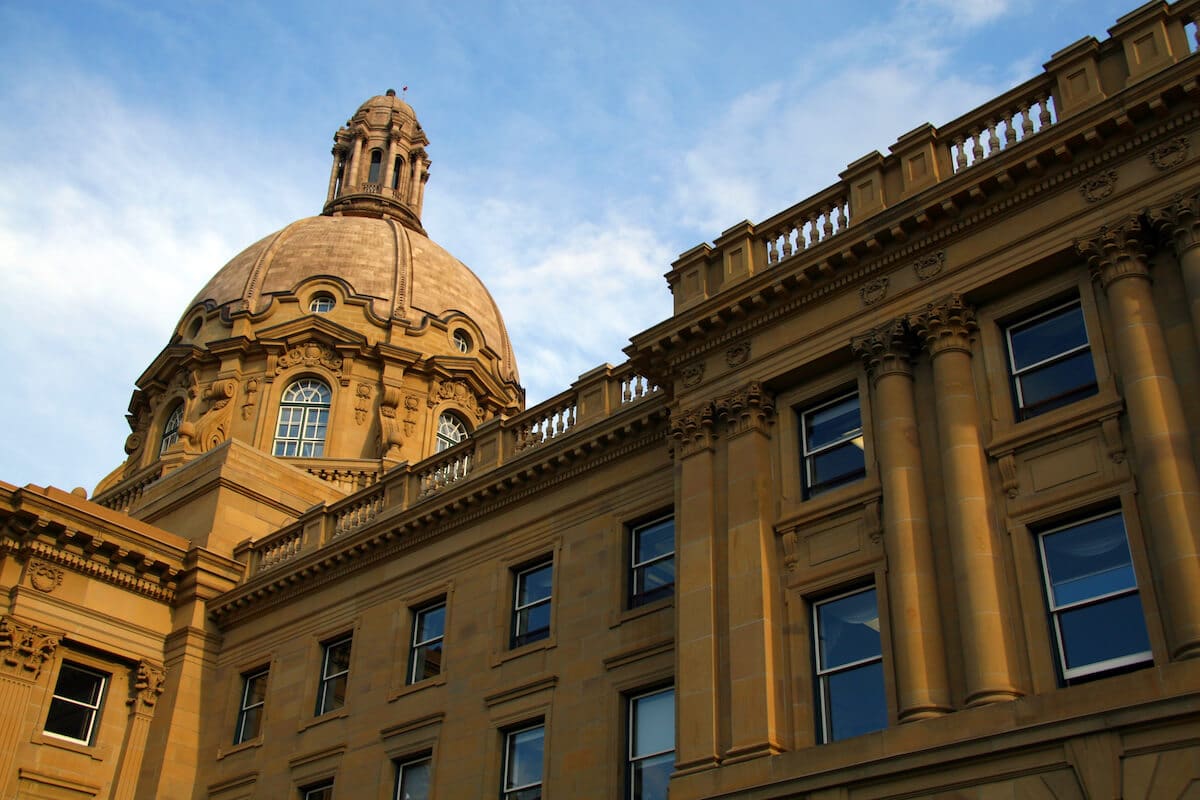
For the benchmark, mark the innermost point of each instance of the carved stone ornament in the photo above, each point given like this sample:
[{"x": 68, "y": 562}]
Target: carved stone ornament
[
  {"x": 44, "y": 577},
  {"x": 133, "y": 442},
  {"x": 24, "y": 648},
  {"x": 738, "y": 354},
  {"x": 1099, "y": 186},
  {"x": 362, "y": 401},
  {"x": 459, "y": 392},
  {"x": 948, "y": 324},
  {"x": 1116, "y": 252},
  {"x": 1177, "y": 224},
  {"x": 390, "y": 437},
  {"x": 885, "y": 349},
  {"x": 146, "y": 684},
  {"x": 1169, "y": 155},
  {"x": 747, "y": 409},
  {"x": 214, "y": 425},
  {"x": 692, "y": 430},
  {"x": 310, "y": 354},
  {"x": 874, "y": 291},
  {"x": 250, "y": 393},
  {"x": 1008, "y": 474},
  {"x": 692, "y": 374},
  {"x": 929, "y": 266}
]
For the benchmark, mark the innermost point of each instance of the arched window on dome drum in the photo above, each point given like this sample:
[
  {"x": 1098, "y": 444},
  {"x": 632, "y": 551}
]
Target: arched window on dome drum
[
  {"x": 170, "y": 434},
  {"x": 376, "y": 163},
  {"x": 450, "y": 431},
  {"x": 303, "y": 418},
  {"x": 396, "y": 171}
]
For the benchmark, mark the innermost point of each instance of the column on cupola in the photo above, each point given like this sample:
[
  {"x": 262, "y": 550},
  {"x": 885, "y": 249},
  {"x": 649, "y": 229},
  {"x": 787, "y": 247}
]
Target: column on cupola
[
  {"x": 922, "y": 688},
  {"x": 338, "y": 151},
  {"x": 147, "y": 685},
  {"x": 351, "y": 181},
  {"x": 947, "y": 329},
  {"x": 1168, "y": 485},
  {"x": 24, "y": 651},
  {"x": 755, "y": 603},
  {"x": 697, "y": 662},
  {"x": 414, "y": 178},
  {"x": 1178, "y": 224}
]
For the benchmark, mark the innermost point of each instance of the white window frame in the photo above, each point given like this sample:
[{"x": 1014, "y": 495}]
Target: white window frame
[
  {"x": 401, "y": 769},
  {"x": 322, "y": 304},
  {"x": 809, "y": 454},
  {"x": 327, "y": 677},
  {"x": 450, "y": 431},
  {"x": 632, "y": 758},
  {"x": 93, "y": 709},
  {"x": 636, "y": 567},
  {"x": 508, "y": 792},
  {"x": 462, "y": 341},
  {"x": 1055, "y": 610},
  {"x": 296, "y": 399},
  {"x": 1015, "y": 375},
  {"x": 420, "y": 645},
  {"x": 317, "y": 791},
  {"x": 518, "y": 607},
  {"x": 170, "y": 434},
  {"x": 823, "y": 673},
  {"x": 245, "y": 707}
]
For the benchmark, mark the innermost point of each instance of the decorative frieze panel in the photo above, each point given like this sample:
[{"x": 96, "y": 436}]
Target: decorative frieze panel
[
  {"x": 309, "y": 354},
  {"x": 457, "y": 391}
]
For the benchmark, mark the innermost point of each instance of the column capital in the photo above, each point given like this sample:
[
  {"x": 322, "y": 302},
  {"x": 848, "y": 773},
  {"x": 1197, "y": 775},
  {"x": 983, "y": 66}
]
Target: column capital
[
  {"x": 750, "y": 408},
  {"x": 145, "y": 685},
  {"x": 1177, "y": 222},
  {"x": 1116, "y": 251},
  {"x": 693, "y": 430},
  {"x": 886, "y": 350},
  {"x": 24, "y": 648},
  {"x": 945, "y": 325}
]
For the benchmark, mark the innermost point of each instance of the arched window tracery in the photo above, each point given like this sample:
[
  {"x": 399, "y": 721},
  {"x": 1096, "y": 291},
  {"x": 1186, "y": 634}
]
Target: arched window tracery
[
  {"x": 170, "y": 434},
  {"x": 450, "y": 431},
  {"x": 303, "y": 419}
]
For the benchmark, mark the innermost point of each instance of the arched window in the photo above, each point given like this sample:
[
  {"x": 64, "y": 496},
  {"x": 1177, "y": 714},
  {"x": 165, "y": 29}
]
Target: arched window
[
  {"x": 376, "y": 163},
  {"x": 450, "y": 431},
  {"x": 303, "y": 417},
  {"x": 399, "y": 168},
  {"x": 462, "y": 341},
  {"x": 170, "y": 434}
]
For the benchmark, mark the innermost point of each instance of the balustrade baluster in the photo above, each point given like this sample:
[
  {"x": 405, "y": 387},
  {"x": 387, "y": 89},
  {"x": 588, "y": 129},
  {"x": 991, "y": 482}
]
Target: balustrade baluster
[
  {"x": 771, "y": 255},
  {"x": 1044, "y": 114},
  {"x": 786, "y": 246},
  {"x": 993, "y": 139},
  {"x": 827, "y": 228},
  {"x": 960, "y": 161},
  {"x": 976, "y": 146}
]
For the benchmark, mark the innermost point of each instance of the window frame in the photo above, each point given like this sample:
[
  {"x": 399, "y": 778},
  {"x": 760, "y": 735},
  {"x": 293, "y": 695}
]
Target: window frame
[
  {"x": 94, "y": 709},
  {"x": 444, "y": 441},
  {"x": 416, "y": 647},
  {"x": 322, "y": 303},
  {"x": 306, "y": 408},
  {"x": 513, "y": 793},
  {"x": 634, "y": 598},
  {"x": 631, "y": 758},
  {"x": 310, "y": 792},
  {"x": 170, "y": 432},
  {"x": 824, "y": 715},
  {"x": 325, "y": 679},
  {"x": 1022, "y": 411},
  {"x": 1068, "y": 675},
  {"x": 244, "y": 709},
  {"x": 810, "y": 490},
  {"x": 519, "y": 638},
  {"x": 404, "y": 763}
]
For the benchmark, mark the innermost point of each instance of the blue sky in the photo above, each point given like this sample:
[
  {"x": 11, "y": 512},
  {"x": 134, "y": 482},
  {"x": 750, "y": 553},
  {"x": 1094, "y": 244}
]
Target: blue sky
[{"x": 577, "y": 149}]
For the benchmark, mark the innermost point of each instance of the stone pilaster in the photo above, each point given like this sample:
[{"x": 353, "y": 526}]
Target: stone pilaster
[
  {"x": 1178, "y": 225},
  {"x": 1167, "y": 480},
  {"x": 922, "y": 687},
  {"x": 756, "y": 675},
  {"x": 145, "y": 687},
  {"x": 24, "y": 650},
  {"x": 697, "y": 662},
  {"x": 947, "y": 329}
]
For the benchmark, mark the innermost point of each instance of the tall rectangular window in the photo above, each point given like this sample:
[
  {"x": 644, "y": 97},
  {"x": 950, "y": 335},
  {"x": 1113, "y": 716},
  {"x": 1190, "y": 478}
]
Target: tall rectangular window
[
  {"x": 531, "y": 604},
  {"x": 425, "y": 654},
  {"x": 1050, "y": 360},
  {"x": 523, "y": 751},
  {"x": 412, "y": 779},
  {"x": 318, "y": 791},
  {"x": 849, "y": 665},
  {"x": 652, "y": 561},
  {"x": 651, "y": 755},
  {"x": 335, "y": 674},
  {"x": 1094, "y": 605},
  {"x": 832, "y": 444},
  {"x": 75, "y": 706},
  {"x": 250, "y": 711}
]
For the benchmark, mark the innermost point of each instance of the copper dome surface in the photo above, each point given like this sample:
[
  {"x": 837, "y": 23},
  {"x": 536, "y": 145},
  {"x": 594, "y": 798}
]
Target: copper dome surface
[{"x": 405, "y": 275}]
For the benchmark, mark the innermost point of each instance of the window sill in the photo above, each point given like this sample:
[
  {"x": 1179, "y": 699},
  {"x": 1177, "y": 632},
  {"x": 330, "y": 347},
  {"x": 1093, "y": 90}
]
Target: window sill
[
  {"x": 630, "y": 614},
  {"x": 845, "y": 498},
  {"x": 91, "y": 751},
  {"x": 1014, "y": 435},
  {"x": 412, "y": 688},
  {"x": 548, "y": 643},
  {"x": 340, "y": 713},
  {"x": 240, "y": 747}
]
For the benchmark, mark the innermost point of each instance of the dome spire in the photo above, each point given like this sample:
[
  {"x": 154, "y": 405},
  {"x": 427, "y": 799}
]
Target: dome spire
[{"x": 379, "y": 163}]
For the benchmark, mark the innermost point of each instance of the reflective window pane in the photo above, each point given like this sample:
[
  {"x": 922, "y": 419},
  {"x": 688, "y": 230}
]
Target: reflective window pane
[
  {"x": 832, "y": 423},
  {"x": 848, "y": 629},
  {"x": 523, "y": 765},
  {"x": 1089, "y": 560},
  {"x": 1102, "y": 631},
  {"x": 534, "y": 585},
  {"x": 1059, "y": 382},
  {"x": 651, "y": 776},
  {"x": 1047, "y": 336},
  {"x": 654, "y": 540},
  {"x": 855, "y": 701},
  {"x": 654, "y": 723},
  {"x": 412, "y": 782},
  {"x": 837, "y": 465}
]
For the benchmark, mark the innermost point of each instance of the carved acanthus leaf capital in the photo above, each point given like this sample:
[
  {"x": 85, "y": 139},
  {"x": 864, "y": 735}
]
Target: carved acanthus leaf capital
[
  {"x": 24, "y": 648},
  {"x": 749, "y": 408},
  {"x": 692, "y": 430},
  {"x": 1116, "y": 252},
  {"x": 886, "y": 350},
  {"x": 948, "y": 324},
  {"x": 145, "y": 685},
  {"x": 1178, "y": 222}
]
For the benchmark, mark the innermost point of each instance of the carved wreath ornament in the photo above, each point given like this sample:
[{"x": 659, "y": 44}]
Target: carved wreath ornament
[
  {"x": 44, "y": 577},
  {"x": 1170, "y": 154},
  {"x": 1099, "y": 186}
]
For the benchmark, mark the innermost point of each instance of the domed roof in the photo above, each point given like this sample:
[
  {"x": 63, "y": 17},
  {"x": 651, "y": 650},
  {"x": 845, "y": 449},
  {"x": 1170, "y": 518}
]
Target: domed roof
[
  {"x": 387, "y": 102},
  {"x": 405, "y": 274}
]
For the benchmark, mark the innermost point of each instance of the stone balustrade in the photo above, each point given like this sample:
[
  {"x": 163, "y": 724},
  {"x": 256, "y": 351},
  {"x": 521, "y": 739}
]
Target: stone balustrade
[
  {"x": 445, "y": 468},
  {"x": 356, "y": 511},
  {"x": 809, "y": 223},
  {"x": 128, "y": 492},
  {"x": 986, "y": 131}
]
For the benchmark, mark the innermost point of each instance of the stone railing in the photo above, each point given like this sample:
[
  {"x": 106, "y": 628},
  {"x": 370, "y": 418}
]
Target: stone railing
[
  {"x": 349, "y": 474},
  {"x": 1011, "y": 118},
  {"x": 809, "y": 223},
  {"x": 598, "y": 395},
  {"x": 126, "y": 494}
]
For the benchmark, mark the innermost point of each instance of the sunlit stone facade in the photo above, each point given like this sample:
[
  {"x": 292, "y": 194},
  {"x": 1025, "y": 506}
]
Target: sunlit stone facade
[{"x": 901, "y": 501}]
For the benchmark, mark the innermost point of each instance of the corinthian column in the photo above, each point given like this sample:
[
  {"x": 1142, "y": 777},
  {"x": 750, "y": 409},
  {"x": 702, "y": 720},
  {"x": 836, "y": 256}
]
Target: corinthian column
[
  {"x": 24, "y": 649},
  {"x": 1179, "y": 225},
  {"x": 921, "y": 685},
  {"x": 146, "y": 686},
  {"x": 1166, "y": 470},
  {"x": 947, "y": 329},
  {"x": 756, "y": 675},
  {"x": 697, "y": 663}
]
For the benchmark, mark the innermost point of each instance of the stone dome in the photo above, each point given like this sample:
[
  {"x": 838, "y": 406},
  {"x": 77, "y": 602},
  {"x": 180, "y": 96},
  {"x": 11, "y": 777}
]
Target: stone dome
[
  {"x": 405, "y": 275},
  {"x": 388, "y": 103}
]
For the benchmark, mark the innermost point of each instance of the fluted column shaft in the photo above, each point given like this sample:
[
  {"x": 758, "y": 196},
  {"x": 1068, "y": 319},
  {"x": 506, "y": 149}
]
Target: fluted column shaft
[
  {"x": 350, "y": 181},
  {"x": 333, "y": 172},
  {"x": 1166, "y": 470},
  {"x": 697, "y": 664},
  {"x": 756, "y": 678},
  {"x": 24, "y": 650},
  {"x": 147, "y": 686},
  {"x": 918, "y": 647},
  {"x": 947, "y": 329}
]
